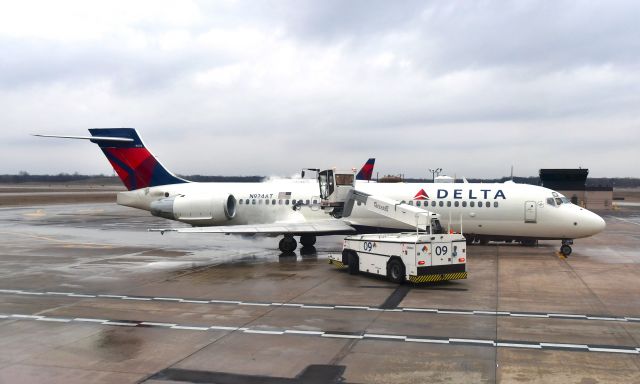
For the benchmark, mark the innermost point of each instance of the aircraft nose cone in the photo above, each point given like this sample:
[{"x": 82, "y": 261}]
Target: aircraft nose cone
[{"x": 594, "y": 223}]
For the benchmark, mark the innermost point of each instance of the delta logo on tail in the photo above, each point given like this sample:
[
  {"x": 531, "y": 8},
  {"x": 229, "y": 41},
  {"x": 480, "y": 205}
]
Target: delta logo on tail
[
  {"x": 366, "y": 171},
  {"x": 422, "y": 195}
]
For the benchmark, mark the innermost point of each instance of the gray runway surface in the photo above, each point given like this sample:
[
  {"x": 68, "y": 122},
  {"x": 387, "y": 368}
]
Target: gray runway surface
[{"x": 88, "y": 295}]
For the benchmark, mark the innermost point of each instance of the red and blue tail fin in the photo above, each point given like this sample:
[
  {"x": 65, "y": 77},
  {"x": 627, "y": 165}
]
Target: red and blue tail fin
[
  {"x": 366, "y": 171},
  {"x": 131, "y": 160}
]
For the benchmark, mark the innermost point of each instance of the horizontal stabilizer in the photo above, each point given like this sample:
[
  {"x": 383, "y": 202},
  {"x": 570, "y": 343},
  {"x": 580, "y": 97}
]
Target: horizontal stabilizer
[{"x": 93, "y": 138}]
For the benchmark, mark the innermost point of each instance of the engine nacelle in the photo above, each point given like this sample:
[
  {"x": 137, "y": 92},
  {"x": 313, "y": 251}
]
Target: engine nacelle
[{"x": 196, "y": 209}]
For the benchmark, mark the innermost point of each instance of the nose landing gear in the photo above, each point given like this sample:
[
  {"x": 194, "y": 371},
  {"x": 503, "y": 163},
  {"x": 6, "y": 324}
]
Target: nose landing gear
[{"x": 565, "y": 248}]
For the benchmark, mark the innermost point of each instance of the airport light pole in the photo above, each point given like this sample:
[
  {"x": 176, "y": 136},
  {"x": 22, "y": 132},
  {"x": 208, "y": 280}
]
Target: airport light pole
[{"x": 435, "y": 172}]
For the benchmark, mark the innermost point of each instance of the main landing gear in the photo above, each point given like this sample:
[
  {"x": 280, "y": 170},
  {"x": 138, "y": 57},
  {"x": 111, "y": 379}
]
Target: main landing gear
[
  {"x": 565, "y": 248},
  {"x": 307, "y": 240},
  {"x": 288, "y": 244}
]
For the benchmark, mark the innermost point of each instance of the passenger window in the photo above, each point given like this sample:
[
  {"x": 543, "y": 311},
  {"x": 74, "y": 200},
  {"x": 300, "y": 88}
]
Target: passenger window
[
  {"x": 410, "y": 202},
  {"x": 479, "y": 204},
  {"x": 273, "y": 202},
  {"x": 433, "y": 203},
  {"x": 266, "y": 201},
  {"x": 495, "y": 204},
  {"x": 464, "y": 203},
  {"x": 441, "y": 203},
  {"x": 448, "y": 203},
  {"x": 240, "y": 201},
  {"x": 306, "y": 202},
  {"x": 286, "y": 202},
  {"x": 293, "y": 201},
  {"x": 280, "y": 202},
  {"x": 253, "y": 201},
  {"x": 418, "y": 203},
  {"x": 403, "y": 202},
  {"x": 457, "y": 203},
  {"x": 246, "y": 201},
  {"x": 487, "y": 204},
  {"x": 472, "y": 204},
  {"x": 260, "y": 201},
  {"x": 315, "y": 201}
]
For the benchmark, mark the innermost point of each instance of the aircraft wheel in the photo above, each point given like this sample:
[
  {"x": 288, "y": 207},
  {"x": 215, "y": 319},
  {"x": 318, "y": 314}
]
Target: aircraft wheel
[
  {"x": 307, "y": 240},
  {"x": 565, "y": 249},
  {"x": 354, "y": 263},
  {"x": 288, "y": 244},
  {"x": 396, "y": 271}
]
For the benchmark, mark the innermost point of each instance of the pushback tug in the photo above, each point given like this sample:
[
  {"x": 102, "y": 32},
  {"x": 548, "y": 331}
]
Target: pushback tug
[{"x": 427, "y": 255}]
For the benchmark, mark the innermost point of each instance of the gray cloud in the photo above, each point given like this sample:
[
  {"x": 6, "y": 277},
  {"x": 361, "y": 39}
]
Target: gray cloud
[{"x": 270, "y": 87}]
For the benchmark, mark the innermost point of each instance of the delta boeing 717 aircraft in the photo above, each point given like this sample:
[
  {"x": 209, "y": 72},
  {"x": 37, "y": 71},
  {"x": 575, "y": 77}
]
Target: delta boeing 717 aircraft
[{"x": 291, "y": 207}]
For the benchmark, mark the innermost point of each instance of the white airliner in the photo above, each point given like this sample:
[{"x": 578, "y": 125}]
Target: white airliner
[{"x": 290, "y": 207}]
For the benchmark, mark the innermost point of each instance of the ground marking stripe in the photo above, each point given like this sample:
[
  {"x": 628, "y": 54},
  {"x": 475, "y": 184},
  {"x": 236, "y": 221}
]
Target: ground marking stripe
[
  {"x": 439, "y": 311},
  {"x": 190, "y": 328},
  {"x": 369, "y": 336},
  {"x": 154, "y": 324}
]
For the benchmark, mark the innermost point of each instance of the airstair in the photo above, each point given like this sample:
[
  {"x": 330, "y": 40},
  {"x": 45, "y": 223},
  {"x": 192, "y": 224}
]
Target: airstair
[{"x": 338, "y": 194}]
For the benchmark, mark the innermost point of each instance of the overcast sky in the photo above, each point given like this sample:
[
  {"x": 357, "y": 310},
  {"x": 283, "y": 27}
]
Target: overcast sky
[{"x": 269, "y": 87}]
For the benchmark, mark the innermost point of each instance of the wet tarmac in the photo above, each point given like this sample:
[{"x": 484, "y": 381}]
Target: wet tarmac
[{"x": 87, "y": 295}]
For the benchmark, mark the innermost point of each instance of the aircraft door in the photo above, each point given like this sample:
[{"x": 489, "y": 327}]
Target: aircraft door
[
  {"x": 326, "y": 183},
  {"x": 530, "y": 212}
]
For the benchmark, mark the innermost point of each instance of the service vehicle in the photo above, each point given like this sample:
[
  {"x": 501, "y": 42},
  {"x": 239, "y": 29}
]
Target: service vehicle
[
  {"x": 425, "y": 255},
  {"x": 412, "y": 256}
]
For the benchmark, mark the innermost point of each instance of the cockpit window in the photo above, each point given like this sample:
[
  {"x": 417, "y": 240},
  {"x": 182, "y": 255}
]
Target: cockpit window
[
  {"x": 558, "y": 200},
  {"x": 565, "y": 200},
  {"x": 551, "y": 201}
]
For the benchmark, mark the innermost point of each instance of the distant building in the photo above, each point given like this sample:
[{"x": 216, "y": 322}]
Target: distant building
[
  {"x": 390, "y": 179},
  {"x": 573, "y": 184}
]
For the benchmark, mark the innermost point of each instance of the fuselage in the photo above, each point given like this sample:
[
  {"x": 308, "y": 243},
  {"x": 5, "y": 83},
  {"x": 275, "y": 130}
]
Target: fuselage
[{"x": 507, "y": 210}]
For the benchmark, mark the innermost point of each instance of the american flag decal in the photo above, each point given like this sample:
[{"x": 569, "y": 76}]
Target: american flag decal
[{"x": 284, "y": 195}]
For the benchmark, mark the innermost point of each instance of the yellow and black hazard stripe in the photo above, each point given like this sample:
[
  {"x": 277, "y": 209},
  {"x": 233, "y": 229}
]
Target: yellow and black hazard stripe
[
  {"x": 439, "y": 277},
  {"x": 338, "y": 264}
]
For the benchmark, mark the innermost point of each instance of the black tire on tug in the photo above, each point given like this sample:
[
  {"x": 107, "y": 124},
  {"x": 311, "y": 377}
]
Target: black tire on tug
[
  {"x": 396, "y": 271},
  {"x": 307, "y": 240},
  {"x": 565, "y": 249},
  {"x": 354, "y": 263}
]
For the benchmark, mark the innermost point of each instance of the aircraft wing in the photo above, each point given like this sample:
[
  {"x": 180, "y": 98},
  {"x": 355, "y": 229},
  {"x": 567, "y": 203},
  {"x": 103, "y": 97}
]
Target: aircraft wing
[{"x": 326, "y": 227}]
